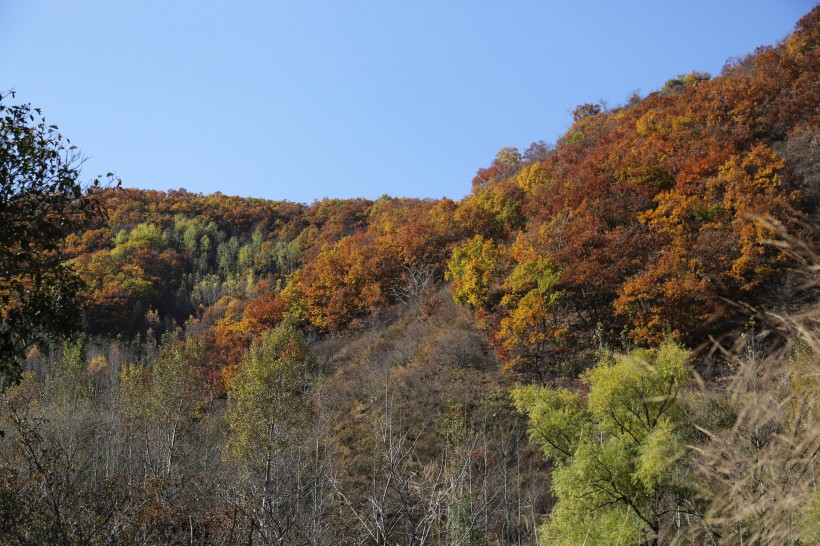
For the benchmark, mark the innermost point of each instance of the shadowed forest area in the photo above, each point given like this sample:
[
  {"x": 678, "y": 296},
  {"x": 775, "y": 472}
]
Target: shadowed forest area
[{"x": 612, "y": 339}]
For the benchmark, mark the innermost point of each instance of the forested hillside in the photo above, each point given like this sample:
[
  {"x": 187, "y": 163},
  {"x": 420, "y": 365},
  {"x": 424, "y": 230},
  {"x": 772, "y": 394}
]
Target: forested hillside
[{"x": 610, "y": 340}]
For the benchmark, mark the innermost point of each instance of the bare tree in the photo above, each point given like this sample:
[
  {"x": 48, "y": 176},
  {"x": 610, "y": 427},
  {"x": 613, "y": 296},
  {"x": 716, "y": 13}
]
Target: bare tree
[{"x": 417, "y": 282}]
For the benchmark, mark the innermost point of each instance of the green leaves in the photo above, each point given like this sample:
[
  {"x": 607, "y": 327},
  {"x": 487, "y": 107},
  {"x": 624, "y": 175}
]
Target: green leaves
[
  {"x": 557, "y": 418},
  {"x": 618, "y": 452},
  {"x": 632, "y": 394},
  {"x": 660, "y": 450},
  {"x": 264, "y": 396},
  {"x": 538, "y": 276},
  {"x": 70, "y": 383}
]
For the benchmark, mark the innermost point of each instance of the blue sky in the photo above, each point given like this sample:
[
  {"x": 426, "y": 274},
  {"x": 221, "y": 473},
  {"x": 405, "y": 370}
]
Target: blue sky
[{"x": 304, "y": 100}]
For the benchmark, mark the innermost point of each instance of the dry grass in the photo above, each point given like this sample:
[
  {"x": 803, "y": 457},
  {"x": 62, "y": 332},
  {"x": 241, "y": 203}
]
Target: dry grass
[{"x": 760, "y": 474}]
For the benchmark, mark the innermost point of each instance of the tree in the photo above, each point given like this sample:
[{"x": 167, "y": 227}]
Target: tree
[
  {"x": 344, "y": 282},
  {"x": 585, "y": 110},
  {"x": 507, "y": 161},
  {"x": 41, "y": 201},
  {"x": 473, "y": 269},
  {"x": 178, "y": 393},
  {"x": 529, "y": 328},
  {"x": 716, "y": 247},
  {"x": 620, "y": 471},
  {"x": 265, "y": 393},
  {"x": 267, "y": 410},
  {"x": 46, "y": 493}
]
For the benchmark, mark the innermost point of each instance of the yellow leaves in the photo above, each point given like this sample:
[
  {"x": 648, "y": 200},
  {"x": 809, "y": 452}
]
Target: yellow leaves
[
  {"x": 292, "y": 294},
  {"x": 529, "y": 326},
  {"x": 472, "y": 269},
  {"x": 523, "y": 249},
  {"x": 664, "y": 123},
  {"x": 33, "y": 352},
  {"x": 752, "y": 190},
  {"x": 750, "y": 178},
  {"x": 806, "y": 37},
  {"x": 527, "y": 330},
  {"x": 647, "y": 124},
  {"x": 533, "y": 176}
]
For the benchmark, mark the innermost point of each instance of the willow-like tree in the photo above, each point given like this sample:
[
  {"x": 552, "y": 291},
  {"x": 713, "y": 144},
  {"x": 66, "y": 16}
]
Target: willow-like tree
[{"x": 620, "y": 458}]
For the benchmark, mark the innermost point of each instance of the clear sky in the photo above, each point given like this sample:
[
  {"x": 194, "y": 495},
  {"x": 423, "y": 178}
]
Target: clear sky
[{"x": 301, "y": 100}]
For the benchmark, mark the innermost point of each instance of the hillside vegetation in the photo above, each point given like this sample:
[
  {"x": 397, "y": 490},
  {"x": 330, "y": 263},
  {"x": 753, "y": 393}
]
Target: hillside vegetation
[{"x": 610, "y": 340}]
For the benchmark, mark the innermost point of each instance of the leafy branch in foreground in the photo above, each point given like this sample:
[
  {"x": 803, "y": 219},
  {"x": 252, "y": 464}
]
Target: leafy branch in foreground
[{"x": 41, "y": 201}]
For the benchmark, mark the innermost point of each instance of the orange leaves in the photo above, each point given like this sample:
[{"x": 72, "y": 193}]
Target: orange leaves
[
  {"x": 714, "y": 248},
  {"x": 649, "y": 213},
  {"x": 753, "y": 191},
  {"x": 266, "y": 310},
  {"x": 410, "y": 231},
  {"x": 668, "y": 298},
  {"x": 528, "y": 333},
  {"x": 343, "y": 282},
  {"x": 528, "y": 325},
  {"x": 357, "y": 275},
  {"x": 242, "y": 320},
  {"x": 232, "y": 334}
]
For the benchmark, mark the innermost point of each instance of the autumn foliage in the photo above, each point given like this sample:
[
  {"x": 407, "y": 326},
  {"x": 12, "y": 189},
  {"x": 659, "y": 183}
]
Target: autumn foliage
[
  {"x": 642, "y": 221},
  {"x": 260, "y": 371}
]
